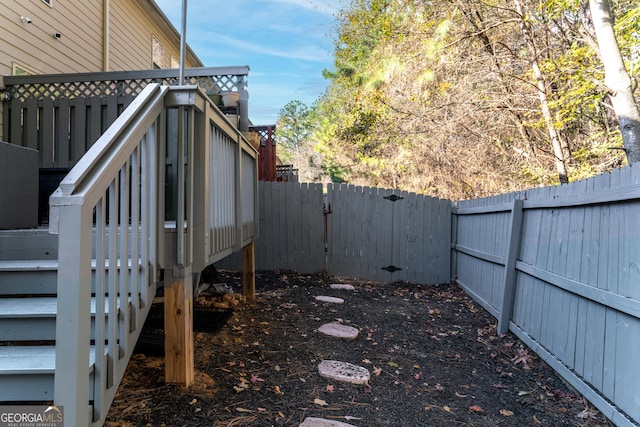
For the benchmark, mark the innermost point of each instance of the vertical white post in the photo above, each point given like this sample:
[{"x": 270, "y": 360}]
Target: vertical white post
[{"x": 71, "y": 384}]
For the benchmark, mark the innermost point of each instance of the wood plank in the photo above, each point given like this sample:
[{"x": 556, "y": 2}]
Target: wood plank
[
  {"x": 610, "y": 354},
  {"x": 178, "y": 328},
  {"x": 386, "y": 230},
  {"x": 509, "y": 277},
  {"x": 603, "y": 243},
  {"x": 16, "y": 122},
  {"x": 61, "y": 139},
  {"x": 78, "y": 128},
  {"x": 31, "y": 124},
  {"x": 614, "y": 236},
  {"x": 608, "y": 299},
  {"x": 248, "y": 272},
  {"x": 419, "y": 257},
  {"x": 45, "y": 134},
  {"x": 94, "y": 118},
  {"x": 626, "y": 393}
]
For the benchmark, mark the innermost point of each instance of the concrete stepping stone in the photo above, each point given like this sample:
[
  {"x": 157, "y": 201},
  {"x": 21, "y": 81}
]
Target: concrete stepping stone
[
  {"x": 344, "y": 372},
  {"x": 332, "y": 300},
  {"x": 321, "y": 422},
  {"x": 343, "y": 286},
  {"x": 339, "y": 330}
]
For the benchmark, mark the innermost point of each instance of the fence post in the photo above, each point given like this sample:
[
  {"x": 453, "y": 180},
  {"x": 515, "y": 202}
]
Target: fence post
[
  {"x": 249, "y": 272},
  {"x": 453, "y": 263},
  {"x": 509, "y": 282}
]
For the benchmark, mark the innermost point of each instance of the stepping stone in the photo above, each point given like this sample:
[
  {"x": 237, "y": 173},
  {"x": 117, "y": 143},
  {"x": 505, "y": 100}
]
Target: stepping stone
[
  {"x": 343, "y": 371},
  {"x": 344, "y": 286},
  {"x": 321, "y": 422},
  {"x": 333, "y": 300},
  {"x": 339, "y": 330}
]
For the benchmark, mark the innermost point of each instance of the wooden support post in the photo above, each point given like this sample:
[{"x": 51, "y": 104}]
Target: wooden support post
[
  {"x": 509, "y": 277},
  {"x": 178, "y": 330},
  {"x": 249, "y": 272}
]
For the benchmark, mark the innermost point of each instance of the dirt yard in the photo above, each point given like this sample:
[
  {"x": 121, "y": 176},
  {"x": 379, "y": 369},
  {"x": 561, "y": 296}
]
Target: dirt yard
[{"x": 433, "y": 355}]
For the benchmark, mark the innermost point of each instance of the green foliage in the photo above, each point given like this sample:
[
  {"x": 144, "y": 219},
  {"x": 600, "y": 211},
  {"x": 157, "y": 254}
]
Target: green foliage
[
  {"x": 293, "y": 129},
  {"x": 439, "y": 98}
]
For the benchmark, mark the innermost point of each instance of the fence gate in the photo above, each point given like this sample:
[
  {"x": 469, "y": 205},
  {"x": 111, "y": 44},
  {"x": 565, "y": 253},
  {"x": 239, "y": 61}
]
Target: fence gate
[{"x": 387, "y": 235}]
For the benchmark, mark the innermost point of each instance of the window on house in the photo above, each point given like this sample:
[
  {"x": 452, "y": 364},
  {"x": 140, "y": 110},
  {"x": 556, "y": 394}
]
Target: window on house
[
  {"x": 48, "y": 2},
  {"x": 157, "y": 53},
  {"x": 19, "y": 70}
]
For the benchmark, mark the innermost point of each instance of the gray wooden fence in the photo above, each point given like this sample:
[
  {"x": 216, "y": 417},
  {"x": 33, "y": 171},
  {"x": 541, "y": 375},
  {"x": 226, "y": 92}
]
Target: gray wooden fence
[
  {"x": 560, "y": 268},
  {"x": 371, "y": 233},
  {"x": 388, "y": 235},
  {"x": 291, "y": 229}
]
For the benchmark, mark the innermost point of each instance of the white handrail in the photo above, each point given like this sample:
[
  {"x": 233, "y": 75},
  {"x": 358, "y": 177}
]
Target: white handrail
[{"x": 106, "y": 209}]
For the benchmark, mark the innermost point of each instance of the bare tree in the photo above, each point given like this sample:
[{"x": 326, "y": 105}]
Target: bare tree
[
  {"x": 617, "y": 79},
  {"x": 561, "y": 155}
]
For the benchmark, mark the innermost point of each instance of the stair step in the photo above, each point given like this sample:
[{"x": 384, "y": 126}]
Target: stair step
[
  {"x": 34, "y": 319},
  {"x": 27, "y": 372},
  {"x": 34, "y": 277},
  {"x": 28, "y": 319}
]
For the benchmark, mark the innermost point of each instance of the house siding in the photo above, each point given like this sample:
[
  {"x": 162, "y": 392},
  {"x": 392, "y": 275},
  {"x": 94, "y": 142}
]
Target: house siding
[
  {"x": 132, "y": 24},
  {"x": 34, "y": 46}
]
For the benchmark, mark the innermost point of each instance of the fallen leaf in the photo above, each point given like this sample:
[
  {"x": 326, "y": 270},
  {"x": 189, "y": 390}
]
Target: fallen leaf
[
  {"x": 350, "y": 418},
  {"x": 475, "y": 408},
  {"x": 586, "y": 414},
  {"x": 276, "y": 390},
  {"x": 330, "y": 388},
  {"x": 262, "y": 410},
  {"x": 320, "y": 402},
  {"x": 243, "y": 410},
  {"x": 499, "y": 386},
  {"x": 367, "y": 361},
  {"x": 506, "y": 413},
  {"x": 461, "y": 395},
  {"x": 377, "y": 371},
  {"x": 446, "y": 408},
  {"x": 393, "y": 364},
  {"x": 536, "y": 420},
  {"x": 255, "y": 379},
  {"x": 193, "y": 402},
  {"x": 280, "y": 414}
]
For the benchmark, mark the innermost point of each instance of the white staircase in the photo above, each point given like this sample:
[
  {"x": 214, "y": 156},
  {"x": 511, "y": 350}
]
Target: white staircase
[{"x": 28, "y": 270}]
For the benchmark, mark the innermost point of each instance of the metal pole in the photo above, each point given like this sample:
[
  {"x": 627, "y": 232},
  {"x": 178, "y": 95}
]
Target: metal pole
[{"x": 183, "y": 42}]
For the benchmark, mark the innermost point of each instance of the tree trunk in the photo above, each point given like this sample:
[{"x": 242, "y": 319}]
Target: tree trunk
[
  {"x": 617, "y": 79},
  {"x": 561, "y": 156}
]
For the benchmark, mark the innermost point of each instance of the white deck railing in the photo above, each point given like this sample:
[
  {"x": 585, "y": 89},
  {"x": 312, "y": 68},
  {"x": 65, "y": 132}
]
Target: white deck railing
[{"x": 109, "y": 212}]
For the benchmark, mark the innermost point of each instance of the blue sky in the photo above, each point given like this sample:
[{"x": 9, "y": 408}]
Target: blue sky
[{"x": 286, "y": 44}]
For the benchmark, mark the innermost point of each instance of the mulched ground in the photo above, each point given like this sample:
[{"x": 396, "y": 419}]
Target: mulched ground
[{"x": 433, "y": 354}]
